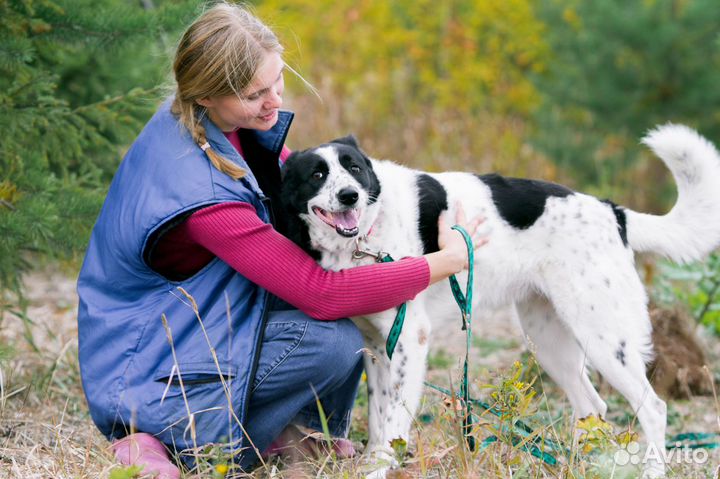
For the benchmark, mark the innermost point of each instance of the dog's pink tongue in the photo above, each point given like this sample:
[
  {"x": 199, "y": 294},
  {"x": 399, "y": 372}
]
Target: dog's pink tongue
[{"x": 347, "y": 219}]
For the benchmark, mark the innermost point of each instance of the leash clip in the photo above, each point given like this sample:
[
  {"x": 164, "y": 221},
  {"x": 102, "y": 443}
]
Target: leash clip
[{"x": 360, "y": 253}]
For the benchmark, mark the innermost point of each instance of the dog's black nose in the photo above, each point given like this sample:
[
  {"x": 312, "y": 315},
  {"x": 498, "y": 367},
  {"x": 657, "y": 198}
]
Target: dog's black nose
[{"x": 348, "y": 196}]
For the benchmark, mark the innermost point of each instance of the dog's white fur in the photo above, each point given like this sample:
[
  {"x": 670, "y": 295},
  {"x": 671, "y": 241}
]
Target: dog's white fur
[{"x": 573, "y": 282}]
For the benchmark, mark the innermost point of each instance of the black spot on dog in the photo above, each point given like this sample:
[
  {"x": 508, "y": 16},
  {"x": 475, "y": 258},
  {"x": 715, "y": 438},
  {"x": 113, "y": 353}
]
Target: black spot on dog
[
  {"x": 620, "y": 353},
  {"x": 521, "y": 202},
  {"x": 621, "y": 219},
  {"x": 432, "y": 199}
]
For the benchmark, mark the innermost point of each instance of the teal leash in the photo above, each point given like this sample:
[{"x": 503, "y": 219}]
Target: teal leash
[
  {"x": 464, "y": 302},
  {"x": 520, "y": 431},
  {"x": 694, "y": 440},
  {"x": 396, "y": 328},
  {"x": 532, "y": 442}
]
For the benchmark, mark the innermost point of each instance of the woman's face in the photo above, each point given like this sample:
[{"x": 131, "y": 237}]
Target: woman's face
[{"x": 257, "y": 106}]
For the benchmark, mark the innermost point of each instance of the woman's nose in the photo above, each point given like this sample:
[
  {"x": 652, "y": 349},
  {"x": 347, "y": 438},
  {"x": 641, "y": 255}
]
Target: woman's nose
[{"x": 274, "y": 99}]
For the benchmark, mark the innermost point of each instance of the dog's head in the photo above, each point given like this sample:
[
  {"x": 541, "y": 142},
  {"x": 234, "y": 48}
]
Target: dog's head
[{"x": 332, "y": 189}]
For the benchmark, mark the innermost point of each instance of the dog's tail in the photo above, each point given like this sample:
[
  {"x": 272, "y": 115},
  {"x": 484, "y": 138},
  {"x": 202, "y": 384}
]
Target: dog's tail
[{"x": 691, "y": 229}]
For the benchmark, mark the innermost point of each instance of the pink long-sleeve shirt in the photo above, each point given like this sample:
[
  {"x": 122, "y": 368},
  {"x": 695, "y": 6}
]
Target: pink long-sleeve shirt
[{"x": 234, "y": 233}]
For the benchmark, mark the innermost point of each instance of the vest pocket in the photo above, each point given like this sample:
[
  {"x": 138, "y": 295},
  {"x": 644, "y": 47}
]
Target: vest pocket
[
  {"x": 197, "y": 373},
  {"x": 197, "y": 410}
]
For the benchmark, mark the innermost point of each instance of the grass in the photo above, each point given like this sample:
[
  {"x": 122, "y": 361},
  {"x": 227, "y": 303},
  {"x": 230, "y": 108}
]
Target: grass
[{"x": 46, "y": 431}]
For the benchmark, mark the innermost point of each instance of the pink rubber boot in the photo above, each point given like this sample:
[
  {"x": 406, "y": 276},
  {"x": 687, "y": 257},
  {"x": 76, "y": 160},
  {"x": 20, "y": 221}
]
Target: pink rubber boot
[
  {"x": 142, "y": 449},
  {"x": 294, "y": 436}
]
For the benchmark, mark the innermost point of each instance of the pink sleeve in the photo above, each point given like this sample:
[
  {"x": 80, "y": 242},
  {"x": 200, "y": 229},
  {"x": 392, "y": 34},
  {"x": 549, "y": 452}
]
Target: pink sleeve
[
  {"x": 234, "y": 233},
  {"x": 284, "y": 153}
]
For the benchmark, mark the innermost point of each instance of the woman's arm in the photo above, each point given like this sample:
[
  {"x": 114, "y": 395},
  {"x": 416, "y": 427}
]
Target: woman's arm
[
  {"x": 234, "y": 233},
  {"x": 453, "y": 257}
]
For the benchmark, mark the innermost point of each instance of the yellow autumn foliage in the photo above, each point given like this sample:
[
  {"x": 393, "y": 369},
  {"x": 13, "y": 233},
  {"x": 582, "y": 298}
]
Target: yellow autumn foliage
[{"x": 436, "y": 84}]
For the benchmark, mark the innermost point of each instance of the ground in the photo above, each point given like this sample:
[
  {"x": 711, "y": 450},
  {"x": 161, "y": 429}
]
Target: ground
[{"x": 46, "y": 431}]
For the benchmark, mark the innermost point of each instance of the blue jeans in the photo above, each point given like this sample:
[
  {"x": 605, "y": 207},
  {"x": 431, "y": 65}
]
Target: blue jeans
[{"x": 301, "y": 359}]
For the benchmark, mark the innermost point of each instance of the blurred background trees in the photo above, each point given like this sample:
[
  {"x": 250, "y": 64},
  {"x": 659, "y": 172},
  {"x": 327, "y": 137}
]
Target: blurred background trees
[
  {"x": 617, "y": 69},
  {"x": 557, "y": 89},
  {"x": 78, "y": 79}
]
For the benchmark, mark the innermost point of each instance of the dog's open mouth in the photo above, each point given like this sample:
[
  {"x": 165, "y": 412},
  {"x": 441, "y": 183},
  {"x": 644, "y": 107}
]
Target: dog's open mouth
[{"x": 345, "y": 222}]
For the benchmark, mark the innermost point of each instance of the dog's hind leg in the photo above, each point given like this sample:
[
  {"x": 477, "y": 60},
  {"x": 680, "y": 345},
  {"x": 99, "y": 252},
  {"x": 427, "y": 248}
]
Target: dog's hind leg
[
  {"x": 559, "y": 354},
  {"x": 623, "y": 366},
  {"x": 611, "y": 324}
]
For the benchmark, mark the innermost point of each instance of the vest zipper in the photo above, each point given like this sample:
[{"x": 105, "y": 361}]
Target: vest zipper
[{"x": 258, "y": 343}]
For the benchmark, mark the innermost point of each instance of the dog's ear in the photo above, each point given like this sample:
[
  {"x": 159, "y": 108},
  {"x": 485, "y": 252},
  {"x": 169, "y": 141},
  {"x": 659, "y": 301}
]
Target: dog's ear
[{"x": 348, "y": 140}]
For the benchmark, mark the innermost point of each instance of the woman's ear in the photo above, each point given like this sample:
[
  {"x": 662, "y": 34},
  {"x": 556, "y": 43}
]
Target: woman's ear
[{"x": 206, "y": 102}]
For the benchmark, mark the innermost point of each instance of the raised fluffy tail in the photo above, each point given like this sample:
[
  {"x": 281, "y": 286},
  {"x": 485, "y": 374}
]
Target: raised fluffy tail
[{"x": 691, "y": 229}]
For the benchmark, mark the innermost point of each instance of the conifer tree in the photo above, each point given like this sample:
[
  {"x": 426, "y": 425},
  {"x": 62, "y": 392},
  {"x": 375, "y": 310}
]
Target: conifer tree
[
  {"x": 618, "y": 69},
  {"x": 78, "y": 79}
]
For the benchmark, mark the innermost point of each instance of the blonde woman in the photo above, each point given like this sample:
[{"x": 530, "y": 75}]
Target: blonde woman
[{"x": 199, "y": 322}]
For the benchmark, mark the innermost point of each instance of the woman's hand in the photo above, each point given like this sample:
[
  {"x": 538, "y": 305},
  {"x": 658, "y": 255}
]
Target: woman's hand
[{"x": 453, "y": 256}]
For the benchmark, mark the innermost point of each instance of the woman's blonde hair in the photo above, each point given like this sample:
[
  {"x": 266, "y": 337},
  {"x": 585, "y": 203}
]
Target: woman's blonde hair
[{"x": 218, "y": 55}]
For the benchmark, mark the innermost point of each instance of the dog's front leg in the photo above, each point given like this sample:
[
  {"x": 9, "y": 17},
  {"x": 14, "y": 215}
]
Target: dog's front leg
[
  {"x": 377, "y": 368},
  {"x": 408, "y": 369},
  {"x": 397, "y": 389}
]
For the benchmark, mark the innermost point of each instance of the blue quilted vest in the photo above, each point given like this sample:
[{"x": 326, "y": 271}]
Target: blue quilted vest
[{"x": 146, "y": 360}]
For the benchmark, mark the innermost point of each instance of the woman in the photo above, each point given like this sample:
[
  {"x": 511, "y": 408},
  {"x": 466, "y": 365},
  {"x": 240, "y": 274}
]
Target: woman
[{"x": 198, "y": 321}]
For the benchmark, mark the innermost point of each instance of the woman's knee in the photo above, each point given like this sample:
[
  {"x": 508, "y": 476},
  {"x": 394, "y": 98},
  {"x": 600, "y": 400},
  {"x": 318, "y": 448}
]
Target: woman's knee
[
  {"x": 340, "y": 352},
  {"x": 349, "y": 336}
]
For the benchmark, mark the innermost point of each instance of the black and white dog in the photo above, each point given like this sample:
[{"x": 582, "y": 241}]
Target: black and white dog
[{"x": 562, "y": 258}]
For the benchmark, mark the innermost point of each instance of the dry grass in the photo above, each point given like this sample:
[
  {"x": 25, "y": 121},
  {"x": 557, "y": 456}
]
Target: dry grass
[{"x": 46, "y": 432}]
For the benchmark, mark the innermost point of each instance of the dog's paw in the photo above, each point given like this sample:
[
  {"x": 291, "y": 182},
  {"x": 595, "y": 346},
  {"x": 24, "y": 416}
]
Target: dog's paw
[
  {"x": 379, "y": 461},
  {"x": 653, "y": 471},
  {"x": 378, "y": 473}
]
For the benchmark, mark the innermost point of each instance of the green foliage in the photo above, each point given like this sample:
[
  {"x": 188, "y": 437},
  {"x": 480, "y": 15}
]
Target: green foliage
[
  {"x": 618, "y": 69},
  {"x": 214, "y": 461},
  {"x": 440, "y": 359},
  {"x": 512, "y": 397},
  {"x": 129, "y": 472},
  {"x": 67, "y": 110},
  {"x": 695, "y": 285},
  {"x": 490, "y": 345},
  {"x": 400, "y": 449}
]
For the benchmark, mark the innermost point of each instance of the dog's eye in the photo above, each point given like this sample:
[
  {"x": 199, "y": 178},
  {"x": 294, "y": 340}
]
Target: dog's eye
[
  {"x": 355, "y": 169},
  {"x": 318, "y": 175}
]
